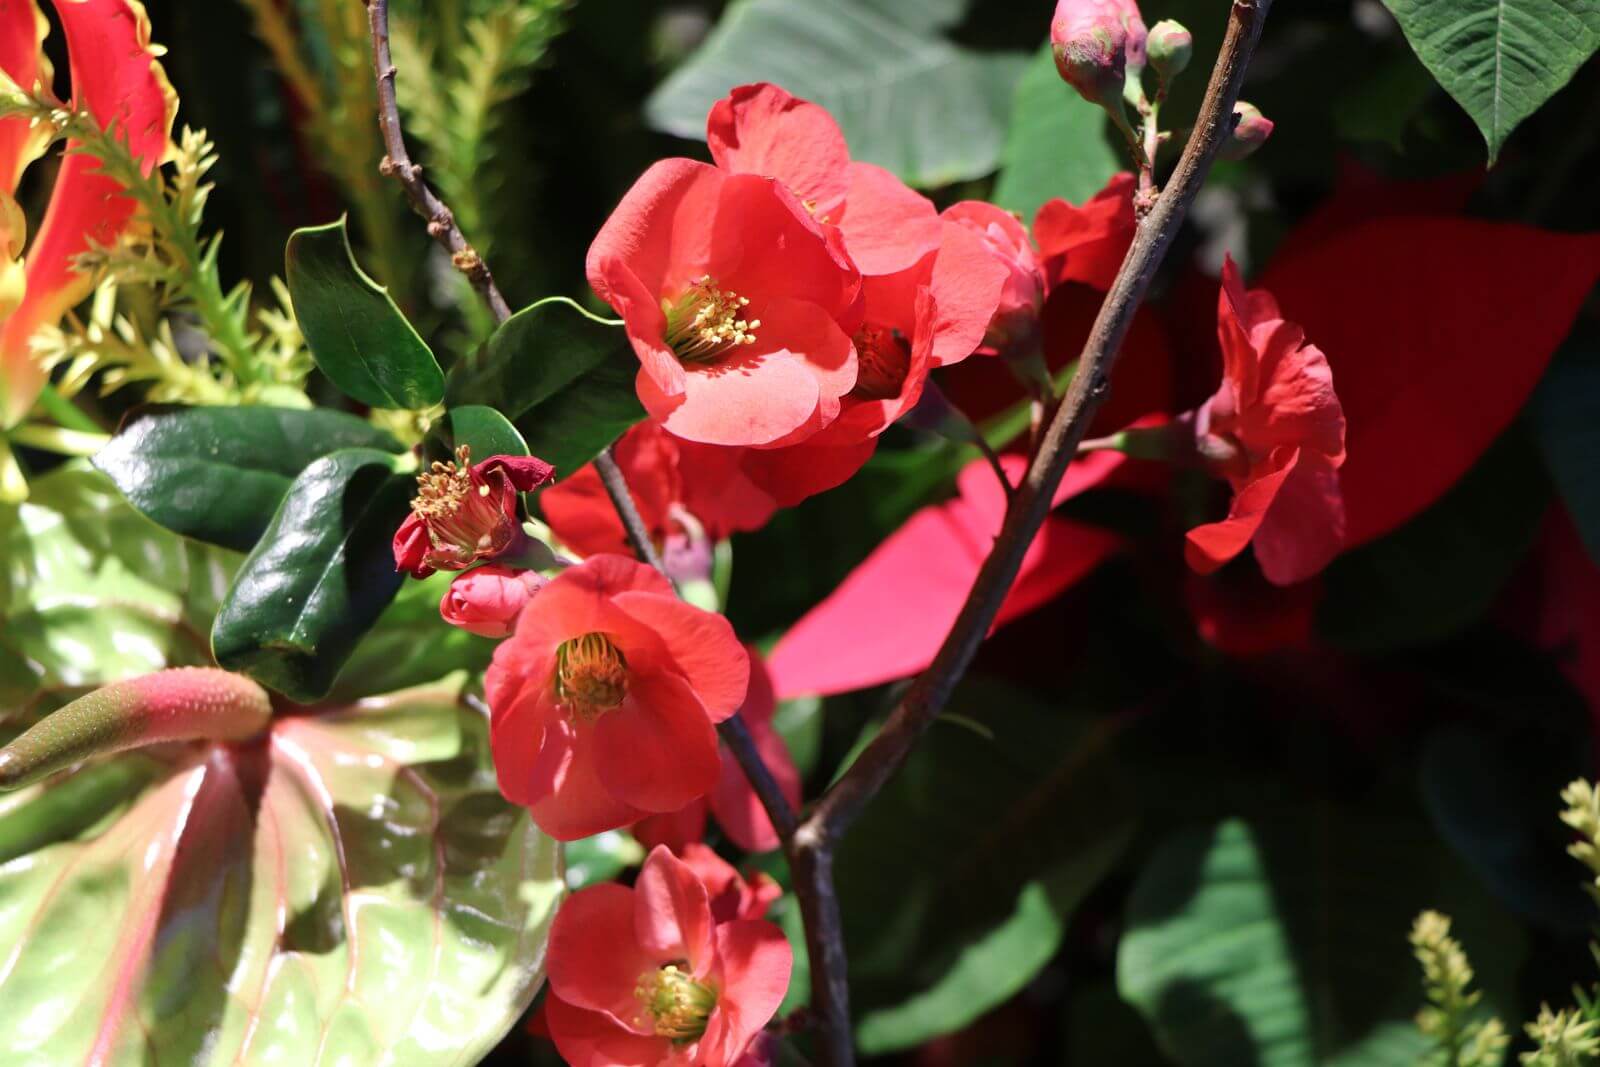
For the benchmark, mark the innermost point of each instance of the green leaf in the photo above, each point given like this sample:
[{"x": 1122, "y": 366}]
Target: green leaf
[
  {"x": 91, "y": 592},
  {"x": 1566, "y": 420},
  {"x": 959, "y": 880},
  {"x": 482, "y": 429},
  {"x": 920, "y": 14},
  {"x": 1057, "y": 144},
  {"x": 906, "y": 98},
  {"x": 564, "y": 377},
  {"x": 217, "y": 474},
  {"x": 351, "y": 889},
  {"x": 601, "y": 858},
  {"x": 357, "y": 335},
  {"x": 1282, "y": 942},
  {"x": 320, "y": 576},
  {"x": 1500, "y": 59}
]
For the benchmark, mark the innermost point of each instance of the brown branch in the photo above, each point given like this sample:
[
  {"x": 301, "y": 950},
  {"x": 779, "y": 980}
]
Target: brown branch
[
  {"x": 736, "y": 735},
  {"x": 811, "y": 848}
]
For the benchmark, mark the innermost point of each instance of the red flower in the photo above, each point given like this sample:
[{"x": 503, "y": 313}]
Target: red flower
[
  {"x": 647, "y": 975},
  {"x": 487, "y": 600},
  {"x": 739, "y": 304},
  {"x": 117, "y": 79},
  {"x": 465, "y": 512},
  {"x": 1087, "y": 244},
  {"x": 673, "y": 496},
  {"x": 1275, "y": 431},
  {"x": 761, "y": 129},
  {"x": 605, "y": 699},
  {"x": 738, "y": 810},
  {"x": 731, "y": 894},
  {"x": 1022, "y": 298}
]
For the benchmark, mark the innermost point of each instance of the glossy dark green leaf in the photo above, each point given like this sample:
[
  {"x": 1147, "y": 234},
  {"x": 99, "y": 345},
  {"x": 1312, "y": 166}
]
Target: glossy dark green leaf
[
  {"x": 320, "y": 577},
  {"x": 217, "y": 474},
  {"x": 1281, "y": 941},
  {"x": 411, "y": 645},
  {"x": 1566, "y": 419},
  {"x": 1500, "y": 59},
  {"x": 906, "y": 97},
  {"x": 1057, "y": 144},
  {"x": 481, "y": 428},
  {"x": 563, "y": 377},
  {"x": 357, "y": 335}
]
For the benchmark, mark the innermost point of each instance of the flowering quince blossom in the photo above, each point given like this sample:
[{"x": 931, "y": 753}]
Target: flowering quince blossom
[
  {"x": 648, "y": 975},
  {"x": 732, "y": 895},
  {"x": 739, "y": 811},
  {"x": 1016, "y": 320},
  {"x": 739, "y": 304},
  {"x": 604, "y": 701},
  {"x": 1087, "y": 244},
  {"x": 487, "y": 600},
  {"x": 760, "y": 129},
  {"x": 117, "y": 79},
  {"x": 465, "y": 512},
  {"x": 1275, "y": 431}
]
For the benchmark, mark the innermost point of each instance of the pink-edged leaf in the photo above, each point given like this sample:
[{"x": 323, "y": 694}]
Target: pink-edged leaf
[
  {"x": 1437, "y": 330},
  {"x": 888, "y": 618}
]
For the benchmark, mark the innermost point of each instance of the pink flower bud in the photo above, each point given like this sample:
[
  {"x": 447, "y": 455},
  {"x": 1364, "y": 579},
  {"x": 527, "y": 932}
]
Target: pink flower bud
[
  {"x": 1170, "y": 48},
  {"x": 1006, "y": 239},
  {"x": 1090, "y": 41},
  {"x": 1249, "y": 133},
  {"x": 487, "y": 601}
]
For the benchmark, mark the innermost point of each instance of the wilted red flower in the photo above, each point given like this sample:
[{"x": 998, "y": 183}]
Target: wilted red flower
[
  {"x": 738, "y": 344},
  {"x": 647, "y": 975},
  {"x": 761, "y": 129},
  {"x": 1087, "y": 244},
  {"x": 676, "y": 485},
  {"x": 732, "y": 895},
  {"x": 1275, "y": 431},
  {"x": 487, "y": 600},
  {"x": 734, "y": 802},
  {"x": 465, "y": 512},
  {"x": 605, "y": 699},
  {"x": 117, "y": 79},
  {"x": 1006, "y": 238}
]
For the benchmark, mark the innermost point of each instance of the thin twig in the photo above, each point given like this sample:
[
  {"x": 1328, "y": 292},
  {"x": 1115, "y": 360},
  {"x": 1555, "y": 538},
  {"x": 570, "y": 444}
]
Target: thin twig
[{"x": 616, "y": 486}]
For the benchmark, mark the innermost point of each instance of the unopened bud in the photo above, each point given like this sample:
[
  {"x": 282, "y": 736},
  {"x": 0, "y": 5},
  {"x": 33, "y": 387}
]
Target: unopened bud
[
  {"x": 1089, "y": 44},
  {"x": 1170, "y": 47},
  {"x": 488, "y": 600},
  {"x": 1250, "y": 131}
]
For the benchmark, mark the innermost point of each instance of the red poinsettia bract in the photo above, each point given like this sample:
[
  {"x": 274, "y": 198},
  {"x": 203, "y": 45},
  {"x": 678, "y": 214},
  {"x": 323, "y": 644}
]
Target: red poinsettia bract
[
  {"x": 739, "y": 304},
  {"x": 117, "y": 79},
  {"x": 604, "y": 701},
  {"x": 734, "y": 802},
  {"x": 465, "y": 512},
  {"x": 1275, "y": 431},
  {"x": 648, "y": 975}
]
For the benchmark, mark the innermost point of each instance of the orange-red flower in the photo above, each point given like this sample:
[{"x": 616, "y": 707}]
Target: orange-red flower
[
  {"x": 1275, "y": 430},
  {"x": 647, "y": 975},
  {"x": 734, "y": 802},
  {"x": 117, "y": 80},
  {"x": 739, "y": 304},
  {"x": 604, "y": 701},
  {"x": 465, "y": 512}
]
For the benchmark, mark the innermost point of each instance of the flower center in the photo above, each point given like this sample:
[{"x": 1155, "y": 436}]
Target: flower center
[
  {"x": 883, "y": 359},
  {"x": 591, "y": 675},
  {"x": 677, "y": 1005},
  {"x": 704, "y": 322},
  {"x": 461, "y": 515}
]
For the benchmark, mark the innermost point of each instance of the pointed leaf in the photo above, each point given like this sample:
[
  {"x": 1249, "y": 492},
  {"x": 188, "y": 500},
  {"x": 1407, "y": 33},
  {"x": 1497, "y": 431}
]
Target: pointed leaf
[
  {"x": 357, "y": 335},
  {"x": 320, "y": 576},
  {"x": 218, "y": 474},
  {"x": 481, "y": 428},
  {"x": 906, "y": 98},
  {"x": 562, "y": 376},
  {"x": 1500, "y": 59}
]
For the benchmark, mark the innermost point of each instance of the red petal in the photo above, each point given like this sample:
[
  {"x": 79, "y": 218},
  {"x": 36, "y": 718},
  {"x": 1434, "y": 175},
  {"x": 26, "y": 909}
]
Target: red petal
[
  {"x": 761, "y": 129},
  {"x": 524, "y": 472},
  {"x": 1436, "y": 330},
  {"x": 1087, "y": 244},
  {"x": 702, "y": 646},
  {"x": 887, "y": 225},
  {"x": 23, "y": 28},
  {"x": 595, "y": 955},
  {"x": 1212, "y": 545},
  {"x": 674, "y": 829},
  {"x": 671, "y": 912},
  {"x": 590, "y": 1039},
  {"x": 1304, "y": 528},
  {"x": 567, "y": 780},
  {"x": 658, "y": 750},
  {"x": 755, "y": 962}
]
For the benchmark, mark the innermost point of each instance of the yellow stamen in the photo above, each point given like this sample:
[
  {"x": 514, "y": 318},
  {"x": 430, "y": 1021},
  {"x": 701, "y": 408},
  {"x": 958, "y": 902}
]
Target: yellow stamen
[
  {"x": 677, "y": 1005},
  {"x": 704, "y": 322},
  {"x": 591, "y": 675}
]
